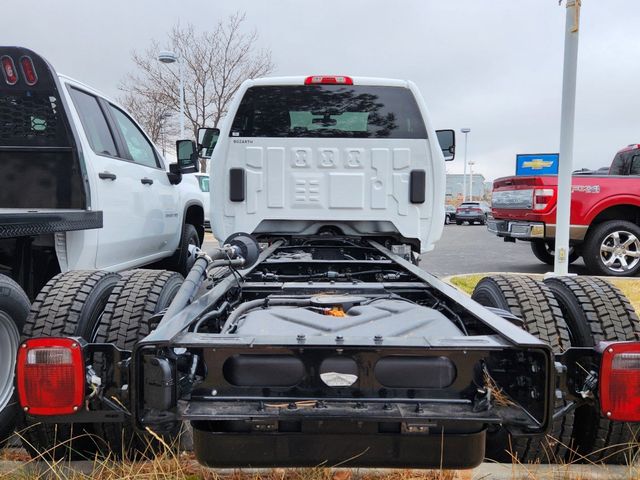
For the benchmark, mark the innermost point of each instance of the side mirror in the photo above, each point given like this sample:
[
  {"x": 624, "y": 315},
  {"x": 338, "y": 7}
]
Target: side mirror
[
  {"x": 447, "y": 140},
  {"x": 207, "y": 139},
  {"x": 187, "y": 156},
  {"x": 175, "y": 177}
]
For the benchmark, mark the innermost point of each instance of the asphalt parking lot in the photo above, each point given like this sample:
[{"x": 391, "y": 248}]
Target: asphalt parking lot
[{"x": 472, "y": 249}]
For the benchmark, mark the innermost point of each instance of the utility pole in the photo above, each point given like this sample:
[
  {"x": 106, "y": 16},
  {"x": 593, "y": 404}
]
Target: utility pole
[
  {"x": 567, "y": 119},
  {"x": 464, "y": 175}
]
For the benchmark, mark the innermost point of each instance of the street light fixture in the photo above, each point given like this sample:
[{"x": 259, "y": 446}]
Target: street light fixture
[
  {"x": 464, "y": 176},
  {"x": 471, "y": 164},
  {"x": 168, "y": 58}
]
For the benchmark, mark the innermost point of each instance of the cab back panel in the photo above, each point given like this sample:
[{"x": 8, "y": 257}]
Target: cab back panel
[
  {"x": 39, "y": 163},
  {"x": 326, "y": 181},
  {"x": 294, "y": 158}
]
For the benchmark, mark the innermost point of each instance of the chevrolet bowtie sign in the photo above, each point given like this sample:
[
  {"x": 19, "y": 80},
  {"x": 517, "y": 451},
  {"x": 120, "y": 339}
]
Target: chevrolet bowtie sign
[{"x": 537, "y": 164}]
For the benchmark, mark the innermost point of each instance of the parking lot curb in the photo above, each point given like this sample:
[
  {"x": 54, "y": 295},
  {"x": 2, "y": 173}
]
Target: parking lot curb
[{"x": 494, "y": 471}]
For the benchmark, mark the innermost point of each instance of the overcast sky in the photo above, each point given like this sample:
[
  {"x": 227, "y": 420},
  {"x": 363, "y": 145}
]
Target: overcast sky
[{"x": 494, "y": 66}]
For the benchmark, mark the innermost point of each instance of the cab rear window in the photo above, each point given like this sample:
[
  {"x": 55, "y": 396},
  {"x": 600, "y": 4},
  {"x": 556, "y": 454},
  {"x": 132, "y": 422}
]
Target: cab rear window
[{"x": 328, "y": 111}]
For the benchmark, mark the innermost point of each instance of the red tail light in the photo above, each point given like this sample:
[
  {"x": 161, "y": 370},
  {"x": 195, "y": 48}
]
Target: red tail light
[
  {"x": 328, "y": 79},
  {"x": 620, "y": 381},
  {"x": 542, "y": 198},
  {"x": 50, "y": 376},
  {"x": 28, "y": 70},
  {"x": 9, "y": 70}
]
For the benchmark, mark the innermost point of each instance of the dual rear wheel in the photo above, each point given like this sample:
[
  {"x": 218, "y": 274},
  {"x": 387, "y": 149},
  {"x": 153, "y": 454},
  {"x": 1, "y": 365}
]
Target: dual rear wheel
[
  {"x": 565, "y": 312},
  {"x": 99, "y": 307}
]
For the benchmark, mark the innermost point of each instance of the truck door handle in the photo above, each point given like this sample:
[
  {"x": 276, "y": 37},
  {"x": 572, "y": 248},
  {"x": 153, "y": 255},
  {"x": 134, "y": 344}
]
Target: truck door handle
[
  {"x": 146, "y": 181},
  {"x": 107, "y": 175}
]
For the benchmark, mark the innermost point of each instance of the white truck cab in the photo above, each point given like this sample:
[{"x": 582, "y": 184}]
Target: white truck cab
[
  {"x": 142, "y": 210},
  {"x": 298, "y": 155}
]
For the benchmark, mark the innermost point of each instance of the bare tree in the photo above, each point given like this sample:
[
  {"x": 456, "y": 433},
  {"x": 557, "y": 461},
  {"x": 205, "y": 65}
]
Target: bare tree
[
  {"x": 215, "y": 63},
  {"x": 154, "y": 116}
]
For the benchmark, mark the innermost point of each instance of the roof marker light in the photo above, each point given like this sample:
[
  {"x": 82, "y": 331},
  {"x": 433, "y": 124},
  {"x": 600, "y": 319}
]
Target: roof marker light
[
  {"x": 28, "y": 70},
  {"x": 328, "y": 79},
  {"x": 9, "y": 70}
]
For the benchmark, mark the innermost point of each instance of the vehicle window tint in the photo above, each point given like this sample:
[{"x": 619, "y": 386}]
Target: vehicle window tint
[
  {"x": 204, "y": 183},
  {"x": 139, "y": 147},
  {"x": 617, "y": 166},
  {"x": 94, "y": 123},
  {"x": 635, "y": 165},
  {"x": 328, "y": 111}
]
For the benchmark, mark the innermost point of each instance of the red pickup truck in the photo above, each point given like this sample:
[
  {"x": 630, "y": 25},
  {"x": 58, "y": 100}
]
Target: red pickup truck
[{"x": 605, "y": 215}]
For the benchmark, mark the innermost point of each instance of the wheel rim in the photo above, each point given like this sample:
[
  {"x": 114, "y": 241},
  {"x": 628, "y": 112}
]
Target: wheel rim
[
  {"x": 9, "y": 341},
  {"x": 620, "y": 251}
]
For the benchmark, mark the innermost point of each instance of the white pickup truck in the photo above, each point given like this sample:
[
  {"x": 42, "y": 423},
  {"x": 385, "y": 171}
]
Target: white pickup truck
[{"x": 82, "y": 187}]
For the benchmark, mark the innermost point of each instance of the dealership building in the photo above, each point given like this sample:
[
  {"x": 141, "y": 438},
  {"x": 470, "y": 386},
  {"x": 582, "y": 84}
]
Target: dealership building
[{"x": 454, "y": 188}]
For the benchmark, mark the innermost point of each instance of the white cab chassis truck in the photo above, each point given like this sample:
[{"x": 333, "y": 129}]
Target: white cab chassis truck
[
  {"x": 82, "y": 188},
  {"x": 319, "y": 340}
]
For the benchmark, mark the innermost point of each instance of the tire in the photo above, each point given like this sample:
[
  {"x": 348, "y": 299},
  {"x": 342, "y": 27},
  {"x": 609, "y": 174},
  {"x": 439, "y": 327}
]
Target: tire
[
  {"x": 601, "y": 246},
  {"x": 533, "y": 302},
  {"x": 447, "y": 219},
  {"x": 543, "y": 251},
  {"x": 70, "y": 304},
  {"x": 597, "y": 311},
  {"x": 181, "y": 261},
  {"x": 128, "y": 318},
  {"x": 14, "y": 308}
]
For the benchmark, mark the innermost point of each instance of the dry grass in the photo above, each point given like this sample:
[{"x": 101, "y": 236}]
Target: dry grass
[
  {"x": 467, "y": 283},
  {"x": 170, "y": 466},
  {"x": 631, "y": 288}
]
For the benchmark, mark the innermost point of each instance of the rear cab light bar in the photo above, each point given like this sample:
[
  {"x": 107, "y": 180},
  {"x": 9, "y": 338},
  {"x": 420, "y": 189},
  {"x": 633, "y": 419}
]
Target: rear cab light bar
[
  {"x": 328, "y": 80},
  {"x": 25, "y": 69},
  {"x": 50, "y": 376},
  {"x": 619, "y": 385},
  {"x": 28, "y": 70},
  {"x": 9, "y": 70}
]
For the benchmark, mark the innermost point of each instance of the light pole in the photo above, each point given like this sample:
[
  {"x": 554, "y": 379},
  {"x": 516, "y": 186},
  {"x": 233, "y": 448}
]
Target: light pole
[
  {"x": 471, "y": 164},
  {"x": 464, "y": 176},
  {"x": 170, "y": 57},
  {"x": 567, "y": 117},
  {"x": 163, "y": 120}
]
